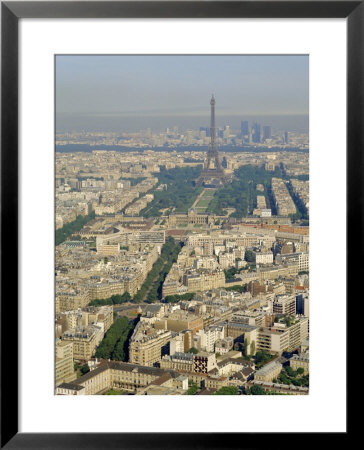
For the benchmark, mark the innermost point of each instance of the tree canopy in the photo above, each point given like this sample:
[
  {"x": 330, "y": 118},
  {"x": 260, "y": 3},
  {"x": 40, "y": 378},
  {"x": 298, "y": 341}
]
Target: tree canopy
[
  {"x": 193, "y": 350},
  {"x": 227, "y": 390},
  {"x": 256, "y": 390},
  {"x": 180, "y": 194},
  {"x": 115, "y": 343},
  {"x": 113, "y": 300},
  {"x": 72, "y": 227}
]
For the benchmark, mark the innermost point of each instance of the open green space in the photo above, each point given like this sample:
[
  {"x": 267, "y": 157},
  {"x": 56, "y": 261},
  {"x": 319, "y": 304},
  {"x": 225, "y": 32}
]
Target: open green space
[
  {"x": 241, "y": 193},
  {"x": 180, "y": 194},
  {"x": 204, "y": 200},
  {"x": 203, "y": 203}
]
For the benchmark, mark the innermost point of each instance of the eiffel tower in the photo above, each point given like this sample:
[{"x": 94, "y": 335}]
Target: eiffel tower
[{"x": 212, "y": 173}]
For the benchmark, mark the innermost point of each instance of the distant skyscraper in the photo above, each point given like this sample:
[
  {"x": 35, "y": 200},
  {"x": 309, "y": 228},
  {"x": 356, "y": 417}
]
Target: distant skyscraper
[
  {"x": 189, "y": 136},
  {"x": 244, "y": 128},
  {"x": 226, "y": 132},
  {"x": 286, "y": 137},
  {"x": 256, "y": 132},
  {"x": 206, "y": 130},
  {"x": 202, "y": 134},
  {"x": 267, "y": 132}
]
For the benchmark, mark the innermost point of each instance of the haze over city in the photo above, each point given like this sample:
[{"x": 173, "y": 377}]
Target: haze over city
[{"x": 130, "y": 93}]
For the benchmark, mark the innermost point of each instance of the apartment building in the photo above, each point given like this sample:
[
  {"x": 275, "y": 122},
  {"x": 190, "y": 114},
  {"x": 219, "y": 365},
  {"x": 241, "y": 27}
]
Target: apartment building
[
  {"x": 282, "y": 338},
  {"x": 208, "y": 337},
  {"x": 204, "y": 281},
  {"x": 148, "y": 349},
  {"x": 84, "y": 340},
  {"x": 285, "y": 304},
  {"x": 66, "y": 301},
  {"x": 64, "y": 371},
  {"x": 263, "y": 257}
]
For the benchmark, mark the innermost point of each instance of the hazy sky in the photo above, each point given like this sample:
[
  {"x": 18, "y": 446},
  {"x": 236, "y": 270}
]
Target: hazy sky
[{"x": 112, "y": 87}]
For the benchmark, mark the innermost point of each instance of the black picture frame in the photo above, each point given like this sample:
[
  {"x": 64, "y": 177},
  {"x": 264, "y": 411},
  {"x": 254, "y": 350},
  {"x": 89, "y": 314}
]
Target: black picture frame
[{"x": 11, "y": 12}]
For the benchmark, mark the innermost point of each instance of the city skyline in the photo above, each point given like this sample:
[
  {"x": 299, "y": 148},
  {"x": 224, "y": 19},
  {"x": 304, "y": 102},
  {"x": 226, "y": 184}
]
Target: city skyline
[{"x": 129, "y": 93}]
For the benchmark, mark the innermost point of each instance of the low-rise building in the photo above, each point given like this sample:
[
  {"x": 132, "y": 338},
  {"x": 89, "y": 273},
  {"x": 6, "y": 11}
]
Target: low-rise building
[
  {"x": 178, "y": 361},
  {"x": 268, "y": 372},
  {"x": 300, "y": 361}
]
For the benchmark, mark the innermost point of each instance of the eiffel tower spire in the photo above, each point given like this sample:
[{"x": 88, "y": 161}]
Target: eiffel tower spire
[
  {"x": 213, "y": 161},
  {"x": 212, "y": 173}
]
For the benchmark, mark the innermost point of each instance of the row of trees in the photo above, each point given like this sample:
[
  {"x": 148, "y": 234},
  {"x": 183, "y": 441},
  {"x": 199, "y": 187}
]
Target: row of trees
[
  {"x": 177, "y": 298},
  {"x": 115, "y": 343},
  {"x": 237, "y": 288},
  {"x": 255, "y": 390},
  {"x": 72, "y": 227},
  {"x": 151, "y": 289},
  {"x": 113, "y": 300},
  {"x": 225, "y": 390}
]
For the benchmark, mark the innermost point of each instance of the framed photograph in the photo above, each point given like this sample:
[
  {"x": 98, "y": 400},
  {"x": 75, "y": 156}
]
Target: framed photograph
[{"x": 181, "y": 200}]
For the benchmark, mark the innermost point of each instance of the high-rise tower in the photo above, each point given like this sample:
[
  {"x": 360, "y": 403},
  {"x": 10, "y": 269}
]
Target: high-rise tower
[
  {"x": 212, "y": 161},
  {"x": 212, "y": 173}
]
